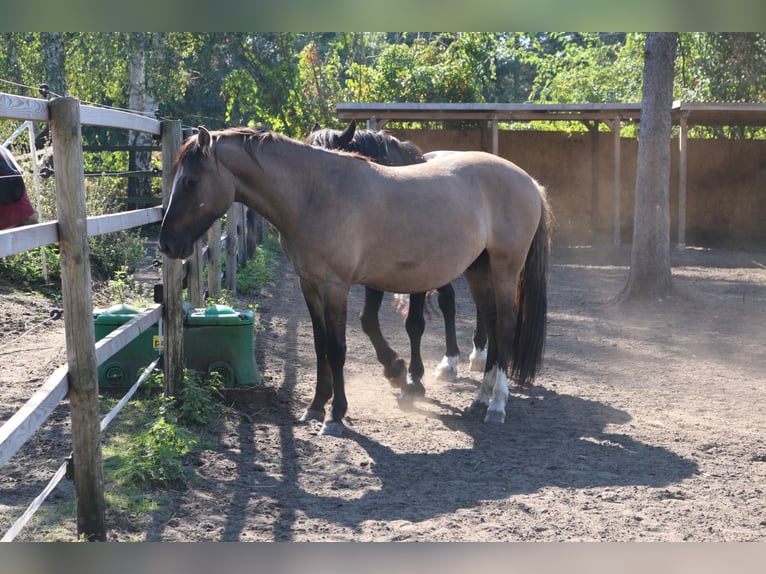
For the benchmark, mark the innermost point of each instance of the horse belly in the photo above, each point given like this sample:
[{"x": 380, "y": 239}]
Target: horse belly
[{"x": 409, "y": 274}]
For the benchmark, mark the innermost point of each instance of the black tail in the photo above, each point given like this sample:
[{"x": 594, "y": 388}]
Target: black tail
[{"x": 532, "y": 304}]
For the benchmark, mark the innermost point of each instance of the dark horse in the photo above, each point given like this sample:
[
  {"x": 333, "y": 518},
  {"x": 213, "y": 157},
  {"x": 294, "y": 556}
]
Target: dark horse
[
  {"x": 15, "y": 207},
  {"x": 385, "y": 149},
  {"x": 470, "y": 212}
]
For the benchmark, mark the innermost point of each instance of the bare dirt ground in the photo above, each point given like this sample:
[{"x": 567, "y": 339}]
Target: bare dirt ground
[{"x": 644, "y": 425}]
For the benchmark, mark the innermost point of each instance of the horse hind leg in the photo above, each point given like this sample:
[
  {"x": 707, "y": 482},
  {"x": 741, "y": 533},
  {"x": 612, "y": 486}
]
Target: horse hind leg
[
  {"x": 394, "y": 367},
  {"x": 482, "y": 292},
  {"x": 505, "y": 278},
  {"x": 447, "y": 369},
  {"x": 477, "y": 360},
  {"x": 415, "y": 325}
]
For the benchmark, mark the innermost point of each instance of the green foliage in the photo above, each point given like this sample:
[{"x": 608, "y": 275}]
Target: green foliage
[
  {"x": 287, "y": 80},
  {"x": 200, "y": 399},
  {"x": 168, "y": 431},
  {"x": 27, "y": 267},
  {"x": 257, "y": 271},
  {"x": 122, "y": 287},
  {"x": 116, "y": 252},
  {"x": 157, "y": 454}
]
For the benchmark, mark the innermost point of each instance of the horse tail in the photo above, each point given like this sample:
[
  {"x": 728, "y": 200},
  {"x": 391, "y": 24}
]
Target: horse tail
[{"x": 532, "y": 302}]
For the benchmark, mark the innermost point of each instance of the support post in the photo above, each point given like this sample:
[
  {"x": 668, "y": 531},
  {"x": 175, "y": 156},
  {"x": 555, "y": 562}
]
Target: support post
[
  {"x": 682, "y": 183},
  {"x": 66, "y": 133},
  {"x": 172, "y": 274},
  {"x": 595, "y": 170},
  {"x": 616, "y": 124},
  {"x": 495, "y": 137}
]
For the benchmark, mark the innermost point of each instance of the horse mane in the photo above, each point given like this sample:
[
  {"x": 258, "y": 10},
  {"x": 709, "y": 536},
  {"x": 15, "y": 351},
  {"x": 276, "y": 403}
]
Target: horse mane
[
  {"x": 380, "y": 146},
  {"x": 385, "y": 149},
  {"x": 252, "y": 137}
]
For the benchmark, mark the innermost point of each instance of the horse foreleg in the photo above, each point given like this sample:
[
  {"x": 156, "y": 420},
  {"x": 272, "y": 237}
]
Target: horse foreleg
[
  {"x": 336, "y": 301},
  {"x": 394, "y": 367},
  {"x": 324, "y": 383},
  {"x": 415, "y": 325},
  {"x": 446, "y": 370}
]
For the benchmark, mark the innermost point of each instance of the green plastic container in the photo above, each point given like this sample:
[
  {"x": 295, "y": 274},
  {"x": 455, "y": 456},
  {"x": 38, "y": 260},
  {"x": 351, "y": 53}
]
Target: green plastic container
[
  {"x": 220, "y": 339},
  {"x": 123, "y": 368}
]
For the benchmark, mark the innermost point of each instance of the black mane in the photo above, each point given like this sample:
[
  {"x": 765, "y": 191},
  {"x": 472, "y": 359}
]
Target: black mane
[{"x": 379, "y": 146}]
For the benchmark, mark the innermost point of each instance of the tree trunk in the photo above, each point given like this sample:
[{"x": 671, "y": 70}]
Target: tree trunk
[
  {"x": 55, "y": 62},
  {"x": 650, "y": 276},
  {"x": 139, "y": 99}
]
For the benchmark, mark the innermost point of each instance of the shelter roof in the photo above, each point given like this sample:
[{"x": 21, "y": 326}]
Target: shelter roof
[{"x": 696, "y": 113}]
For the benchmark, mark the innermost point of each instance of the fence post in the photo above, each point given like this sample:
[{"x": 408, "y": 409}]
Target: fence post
[
  {"x": 88, "y": 475},
  {"x": 214, "y": 260},
  {"x": 242, "y": 235},
  {"x": 194, "y": 275},
  {"x": 232, "y": 244},
  {"x": 172, "y": 274}
]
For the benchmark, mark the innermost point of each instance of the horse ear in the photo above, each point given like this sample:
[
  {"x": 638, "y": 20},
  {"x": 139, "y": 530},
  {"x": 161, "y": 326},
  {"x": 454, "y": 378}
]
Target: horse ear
[
  {"x": 204, "y": 138},
  {"x": 348, "y": 134},
  {"x": 316, "y": 127}
]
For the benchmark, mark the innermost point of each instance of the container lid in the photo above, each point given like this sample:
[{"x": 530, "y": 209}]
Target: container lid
[
  {"x": 219, "y": 315},
  {"x": 116, "y": 314}
]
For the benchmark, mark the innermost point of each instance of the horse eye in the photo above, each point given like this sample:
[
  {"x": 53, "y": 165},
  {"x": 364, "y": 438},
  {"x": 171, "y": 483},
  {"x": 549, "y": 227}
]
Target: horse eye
[{"x": 190, "y": 182}]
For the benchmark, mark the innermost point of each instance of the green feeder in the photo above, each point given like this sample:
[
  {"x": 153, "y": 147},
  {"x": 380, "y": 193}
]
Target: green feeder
[
  {"x": 123, "y": 368},
  {"x": 220, "y": 339}
]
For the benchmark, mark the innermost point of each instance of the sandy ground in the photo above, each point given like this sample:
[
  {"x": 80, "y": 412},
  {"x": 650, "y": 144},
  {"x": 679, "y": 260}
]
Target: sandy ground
[{"x": 644, "y": 424}]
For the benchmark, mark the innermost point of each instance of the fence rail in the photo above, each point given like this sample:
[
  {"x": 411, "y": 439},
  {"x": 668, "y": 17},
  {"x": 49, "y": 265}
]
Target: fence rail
[{"x": 78, "y": 378}]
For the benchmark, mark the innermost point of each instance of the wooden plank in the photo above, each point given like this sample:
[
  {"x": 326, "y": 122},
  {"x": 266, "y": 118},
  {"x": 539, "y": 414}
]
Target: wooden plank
[
  {"x": 24, "y": 423},
  {"x": 124, "y": 220},
  {"x": 125, "y": 333},
  {"x": 22, "y": 108},
  {"x": 96, "y": 116},
  {"x": 66, "y": 134},
  {"x": 125, "y": 147},
  {"x": 20, "y": 239}
]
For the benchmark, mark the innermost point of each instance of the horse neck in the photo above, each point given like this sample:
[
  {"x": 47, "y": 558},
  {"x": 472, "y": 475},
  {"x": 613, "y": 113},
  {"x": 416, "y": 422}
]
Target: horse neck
[{"x": 276, "y": 180}]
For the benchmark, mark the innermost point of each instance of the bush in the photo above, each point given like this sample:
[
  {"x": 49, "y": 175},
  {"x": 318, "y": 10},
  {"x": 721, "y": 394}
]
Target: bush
[{"x": 155, "y": 457}]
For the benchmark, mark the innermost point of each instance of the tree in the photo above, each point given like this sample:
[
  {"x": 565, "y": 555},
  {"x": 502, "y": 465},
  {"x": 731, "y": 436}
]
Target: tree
[{"x": 650, "y": 276}]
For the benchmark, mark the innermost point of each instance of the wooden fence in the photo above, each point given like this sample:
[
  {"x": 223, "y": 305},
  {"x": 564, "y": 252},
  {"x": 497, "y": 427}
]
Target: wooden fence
[{"x": 78, "y": 378}]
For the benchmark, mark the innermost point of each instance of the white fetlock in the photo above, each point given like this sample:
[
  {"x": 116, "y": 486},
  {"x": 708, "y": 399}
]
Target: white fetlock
[
  {"x": 496, "y": 409},
  {"x": 477, "y": 360},
  {"x": 447, "y": 369}
]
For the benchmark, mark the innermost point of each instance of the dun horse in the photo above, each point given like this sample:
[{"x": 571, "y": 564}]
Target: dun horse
[
  {"x": 471, "y": 213},
  {"x": 385, "y": 149}
]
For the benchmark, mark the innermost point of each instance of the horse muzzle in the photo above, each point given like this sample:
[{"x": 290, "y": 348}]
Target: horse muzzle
[{"x": 175, "y": 249}]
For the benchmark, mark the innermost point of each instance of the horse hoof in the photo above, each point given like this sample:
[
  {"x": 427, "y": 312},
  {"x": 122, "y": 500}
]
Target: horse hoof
[
  {"x": 396, "y": 373},
  {"x": 446, "y": 370},
  {"x": 494, "y": 417},
  {"x": 310, "y": 415},
  {"x": 477, "y": 361},
  {"x": 476, "y": 409},
  {"x": 332, "y": 429},
  {"x": 410, "y": 393}
]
